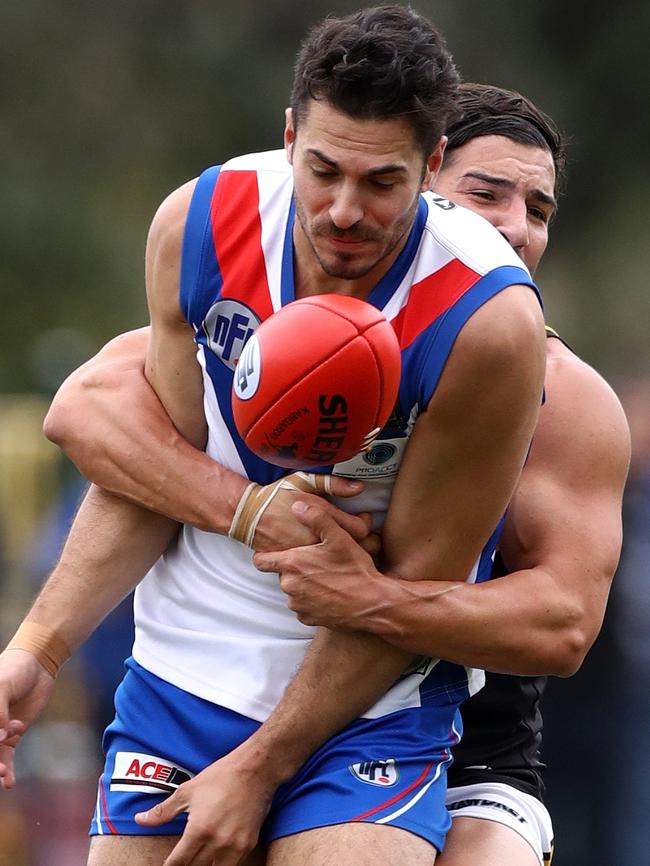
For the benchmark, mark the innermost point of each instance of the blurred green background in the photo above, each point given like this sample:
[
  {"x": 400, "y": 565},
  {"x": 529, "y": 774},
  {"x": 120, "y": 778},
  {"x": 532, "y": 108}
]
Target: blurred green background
[{"x": 107, "y": 107}]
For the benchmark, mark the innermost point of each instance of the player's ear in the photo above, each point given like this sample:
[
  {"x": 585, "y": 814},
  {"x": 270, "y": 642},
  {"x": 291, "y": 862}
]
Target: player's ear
[
  {"x": 289, "y": 134},
  {"x": 433, "y": 164}
]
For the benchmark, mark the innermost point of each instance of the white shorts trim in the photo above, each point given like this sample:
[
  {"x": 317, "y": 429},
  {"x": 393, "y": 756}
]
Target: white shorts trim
[{"x": 496, "y": 801}]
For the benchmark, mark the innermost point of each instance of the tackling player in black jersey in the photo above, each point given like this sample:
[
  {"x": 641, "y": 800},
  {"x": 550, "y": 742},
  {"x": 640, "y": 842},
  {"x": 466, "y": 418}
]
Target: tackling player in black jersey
[{"x": 561, "y": 541}]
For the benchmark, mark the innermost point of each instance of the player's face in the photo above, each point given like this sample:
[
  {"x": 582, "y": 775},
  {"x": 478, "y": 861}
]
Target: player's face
[
  {"x": 509, "y": 184},
  {"x": 357, "y": 184}
]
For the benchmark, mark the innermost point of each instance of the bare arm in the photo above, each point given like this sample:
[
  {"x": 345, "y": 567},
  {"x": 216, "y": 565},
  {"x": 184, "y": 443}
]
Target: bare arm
[
  {"x": 111, "y": 545},
  {"x": 561, "y": 542},
  {"x": 110, "y": 422},
  {"x": 92, "y": 576}
]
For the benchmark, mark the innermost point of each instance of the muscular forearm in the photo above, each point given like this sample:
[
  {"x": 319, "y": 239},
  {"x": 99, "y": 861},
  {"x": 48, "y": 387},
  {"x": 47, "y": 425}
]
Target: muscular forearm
[
  {"x": 111, "y": 545},
  {"x": 341, "y": 677},
  {"x": 531, "y": 622},
  {"x": 524, "y": 623}
]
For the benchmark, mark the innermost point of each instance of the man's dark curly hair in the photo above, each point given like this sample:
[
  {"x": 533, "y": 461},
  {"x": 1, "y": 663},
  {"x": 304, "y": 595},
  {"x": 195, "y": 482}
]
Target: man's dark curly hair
[
  {"x": 490, "y": 110},
  {"x": 381, "y": 62}
]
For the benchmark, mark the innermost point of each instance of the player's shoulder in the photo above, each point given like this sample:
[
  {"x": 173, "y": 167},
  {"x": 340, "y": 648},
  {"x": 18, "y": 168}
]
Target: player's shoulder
[
  {"x": 581, "y": 410},
  {"x": 166, "y": 230},
  {"x": 468, "y": 237},
  {"x": 169, "y": 220},
  {"x": 505, "y": 333},
  {"x": 503, "y": 329},
  {"x": 571, "y": 379},
  {"x": 272, "y": 161}
]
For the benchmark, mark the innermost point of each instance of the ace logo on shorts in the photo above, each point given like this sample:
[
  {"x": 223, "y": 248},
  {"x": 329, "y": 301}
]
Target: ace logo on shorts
[
  {"x": 382, "y": 773},
  {"x": 135, "y": 771}
]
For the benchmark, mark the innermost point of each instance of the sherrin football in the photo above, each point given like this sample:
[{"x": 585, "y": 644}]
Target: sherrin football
[{"x": 316, "y": 382}]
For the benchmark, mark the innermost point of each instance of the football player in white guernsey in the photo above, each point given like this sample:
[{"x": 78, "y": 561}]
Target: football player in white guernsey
[{"x": 357, "y": 183}]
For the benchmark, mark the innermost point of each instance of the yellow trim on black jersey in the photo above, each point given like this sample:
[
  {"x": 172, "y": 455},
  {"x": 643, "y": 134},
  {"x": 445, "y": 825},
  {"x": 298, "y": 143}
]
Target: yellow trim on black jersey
[{"x": 551, "y": 332}]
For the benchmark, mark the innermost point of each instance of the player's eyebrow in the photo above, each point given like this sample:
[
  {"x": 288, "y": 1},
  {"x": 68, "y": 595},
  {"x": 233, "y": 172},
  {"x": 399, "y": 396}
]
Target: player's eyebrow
[
  {"x": 506, "y": 183},
  {"x": 389, "y": 168}
]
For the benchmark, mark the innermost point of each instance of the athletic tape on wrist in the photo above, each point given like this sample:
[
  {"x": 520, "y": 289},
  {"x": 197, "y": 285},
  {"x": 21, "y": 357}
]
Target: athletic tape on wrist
[
  {"x": 256, "y": 499},
  {"x": 49, "y": 649},
  {"x": 307, "y": 482}
]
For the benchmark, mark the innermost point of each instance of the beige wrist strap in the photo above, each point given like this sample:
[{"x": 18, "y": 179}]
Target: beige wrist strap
[
  {"x": 256, "y": 499},
  {"x": 50, "y": 650}
]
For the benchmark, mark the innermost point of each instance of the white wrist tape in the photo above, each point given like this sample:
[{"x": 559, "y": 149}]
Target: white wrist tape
[{"x": 256, "y": 499}]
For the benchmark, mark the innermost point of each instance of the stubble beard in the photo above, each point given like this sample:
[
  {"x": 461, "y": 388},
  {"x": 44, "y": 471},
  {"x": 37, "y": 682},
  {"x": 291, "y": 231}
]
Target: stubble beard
[{"x": 344, "y": 266}]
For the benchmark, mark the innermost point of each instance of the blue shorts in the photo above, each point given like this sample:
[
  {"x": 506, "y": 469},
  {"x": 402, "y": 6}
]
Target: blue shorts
[{"x": 390, "y": 770}]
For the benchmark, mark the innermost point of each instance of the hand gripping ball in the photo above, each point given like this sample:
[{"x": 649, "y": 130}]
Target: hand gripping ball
[{"x": 316, "y": 382}]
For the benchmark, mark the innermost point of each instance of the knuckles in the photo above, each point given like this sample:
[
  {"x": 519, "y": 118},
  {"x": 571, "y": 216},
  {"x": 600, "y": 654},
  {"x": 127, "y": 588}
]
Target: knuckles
[
  {"x": 293, "y": 587},
  {"x": 201, "y": 832}
]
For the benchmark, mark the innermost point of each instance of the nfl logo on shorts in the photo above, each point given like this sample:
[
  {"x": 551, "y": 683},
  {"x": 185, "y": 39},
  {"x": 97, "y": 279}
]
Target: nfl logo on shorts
[{"x": 382, "y": 773}]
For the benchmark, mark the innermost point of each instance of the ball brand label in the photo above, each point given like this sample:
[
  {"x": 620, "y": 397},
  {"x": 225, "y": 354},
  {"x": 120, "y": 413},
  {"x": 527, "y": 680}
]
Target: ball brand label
[
  {"x": 228, "y": 326},
  {"x": 332, "y": 429},
  {"x": 248, "y": 370}
]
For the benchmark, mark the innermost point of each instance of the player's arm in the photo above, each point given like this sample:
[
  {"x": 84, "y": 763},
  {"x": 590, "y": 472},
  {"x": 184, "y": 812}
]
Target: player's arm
[
  {"x": 563, "y": 534},
  {"x": 458, "y": 473},
  {"x": 110, "y": 546},
  {"x": 109, "y": 421},
  {"x": 561, "y": 542},
  {"x": 117, "y": 542},
  {"x": 170, "y": 365},
  {"x": 459, "y": 470}
]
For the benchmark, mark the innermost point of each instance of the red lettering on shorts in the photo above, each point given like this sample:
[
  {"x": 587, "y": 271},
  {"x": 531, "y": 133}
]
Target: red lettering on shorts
[{"x": 162, "y": 772}]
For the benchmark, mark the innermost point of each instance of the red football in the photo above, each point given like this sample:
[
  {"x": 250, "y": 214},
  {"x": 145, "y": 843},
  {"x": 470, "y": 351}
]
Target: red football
[{"x": 316, "y": 382}]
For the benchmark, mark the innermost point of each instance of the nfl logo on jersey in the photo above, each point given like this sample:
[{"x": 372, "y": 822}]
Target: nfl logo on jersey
[
  {"x": 228, "y": 326},
  {"x": 382, "y": 773}
]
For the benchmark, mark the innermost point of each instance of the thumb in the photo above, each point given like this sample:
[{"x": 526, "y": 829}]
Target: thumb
[
  {"x": 317, "y": 519},
  {"x": 163, "y": 812},
  {"x": 344, "y": 486}
]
